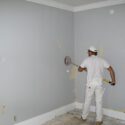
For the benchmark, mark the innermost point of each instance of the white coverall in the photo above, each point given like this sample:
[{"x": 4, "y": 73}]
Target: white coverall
[{"x": 95, "y": 67}]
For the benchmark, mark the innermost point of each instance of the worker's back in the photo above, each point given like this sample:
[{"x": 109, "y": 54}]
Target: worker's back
[{"x": 95, "y": 66}]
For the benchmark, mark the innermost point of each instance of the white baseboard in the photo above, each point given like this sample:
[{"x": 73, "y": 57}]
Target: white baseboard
[
  {"x": 107, "y": 112},
  {"x": 39, "y": 120}
]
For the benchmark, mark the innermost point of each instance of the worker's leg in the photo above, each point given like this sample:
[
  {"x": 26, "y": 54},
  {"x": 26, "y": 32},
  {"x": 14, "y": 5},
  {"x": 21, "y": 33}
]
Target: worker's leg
[
  {"x": 88, "y": 98},
  {"x": 99, "y": 91}
]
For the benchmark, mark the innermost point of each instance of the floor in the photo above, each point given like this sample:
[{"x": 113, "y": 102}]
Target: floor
[{"x": 73, "y": 118}]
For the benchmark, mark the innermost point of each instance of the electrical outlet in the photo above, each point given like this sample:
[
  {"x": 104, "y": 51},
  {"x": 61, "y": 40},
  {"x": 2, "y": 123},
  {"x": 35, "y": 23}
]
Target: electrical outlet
[{"x": 2, "y": 109}]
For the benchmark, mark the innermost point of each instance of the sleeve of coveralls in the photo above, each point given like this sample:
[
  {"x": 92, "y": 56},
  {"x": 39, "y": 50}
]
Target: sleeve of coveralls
[
  {"x": 106, "y": 64},
  {"x": 83, "y": 65}
]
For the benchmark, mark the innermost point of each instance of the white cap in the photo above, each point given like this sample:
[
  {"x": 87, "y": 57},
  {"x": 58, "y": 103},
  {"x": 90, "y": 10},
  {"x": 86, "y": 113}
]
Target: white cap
[{"x": 93, "y": 49}]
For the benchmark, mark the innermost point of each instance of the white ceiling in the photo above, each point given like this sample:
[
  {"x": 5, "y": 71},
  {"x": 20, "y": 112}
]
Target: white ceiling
[
  {"x": 78, "y": 5},
  {"x": 78, "y": 2}
]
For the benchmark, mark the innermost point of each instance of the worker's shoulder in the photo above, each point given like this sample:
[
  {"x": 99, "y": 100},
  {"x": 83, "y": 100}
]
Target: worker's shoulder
[
  {"x": 87, "y": 58},
  {"x": 100, "y": 58},
  {"x": 94, "y": 58}
]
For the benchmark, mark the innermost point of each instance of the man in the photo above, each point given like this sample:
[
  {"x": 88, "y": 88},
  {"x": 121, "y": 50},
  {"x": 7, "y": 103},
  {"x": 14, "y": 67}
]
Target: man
[{"x": 94, "y": 67}]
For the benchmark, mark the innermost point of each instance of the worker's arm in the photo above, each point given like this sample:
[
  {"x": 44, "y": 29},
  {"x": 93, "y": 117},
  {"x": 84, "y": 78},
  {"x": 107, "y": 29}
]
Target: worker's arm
[
  {"x": 80, "y": 69},
  {"x": 112, "y": 74}
]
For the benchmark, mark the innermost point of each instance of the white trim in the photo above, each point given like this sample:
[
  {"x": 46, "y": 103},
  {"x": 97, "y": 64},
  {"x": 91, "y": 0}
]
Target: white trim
[
  {"x": 53, "y": 4},
  {"x": 78, "y": 105},
  {"x": 98, "y": 5},
  {"x": 107, "y": 112},
  {"x": 39, "y": 120},
  {"x": 78, "y": 8}
]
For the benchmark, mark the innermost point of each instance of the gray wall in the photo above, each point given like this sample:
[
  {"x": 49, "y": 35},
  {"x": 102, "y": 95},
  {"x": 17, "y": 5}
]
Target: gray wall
[
  {"x": 34, "y": 40},
  {"x": 97, "y": 27}
]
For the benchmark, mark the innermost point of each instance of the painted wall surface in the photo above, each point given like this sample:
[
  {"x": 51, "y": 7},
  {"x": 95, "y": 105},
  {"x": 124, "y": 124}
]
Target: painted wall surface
[
  {"x": 34, "y": 40},
  {"x": 105, "y": 30}
]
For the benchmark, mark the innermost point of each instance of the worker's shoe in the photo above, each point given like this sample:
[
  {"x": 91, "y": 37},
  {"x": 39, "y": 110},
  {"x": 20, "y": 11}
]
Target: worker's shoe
[
  {"x": 99, "y": 123},
  {"x": 84, "y": 120}
]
